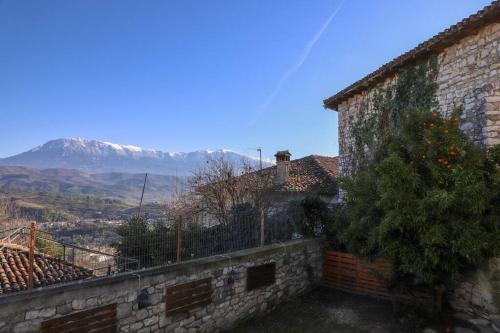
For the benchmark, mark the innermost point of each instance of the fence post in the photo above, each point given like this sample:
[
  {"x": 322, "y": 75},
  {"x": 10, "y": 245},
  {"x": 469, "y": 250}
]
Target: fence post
[
  {"x": 179, "y": 239},
  {"x": 262, "y": 236},
  {"x": 31, "y": 255}
]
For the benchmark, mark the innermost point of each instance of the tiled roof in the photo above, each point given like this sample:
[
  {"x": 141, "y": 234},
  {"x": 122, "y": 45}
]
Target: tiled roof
[
  {"x": 313, "y": 173},
  {"x": 450, "y": 36},
  {"x": 47, "y": 270}
]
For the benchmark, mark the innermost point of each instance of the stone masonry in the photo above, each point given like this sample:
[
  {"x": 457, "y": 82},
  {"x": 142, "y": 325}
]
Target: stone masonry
[
  {"x": 298, "y": 266},
  {"x": 468, "y": 77},
  {"x": 479, "y": 291}
]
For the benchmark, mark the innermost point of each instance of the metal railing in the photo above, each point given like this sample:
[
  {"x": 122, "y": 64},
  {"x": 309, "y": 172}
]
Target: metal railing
[
  {"x": 29, "y": 240},
  {"x": 170, "y": 242},
  {"x": 142, "y": 244}
]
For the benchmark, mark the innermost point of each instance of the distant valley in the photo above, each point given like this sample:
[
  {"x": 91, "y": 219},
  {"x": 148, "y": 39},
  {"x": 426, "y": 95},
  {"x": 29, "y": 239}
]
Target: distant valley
[
  {"x": 68, "y": 195},
  {"x": 69, "y": 179},
  {"x": 125, "y": 187}
]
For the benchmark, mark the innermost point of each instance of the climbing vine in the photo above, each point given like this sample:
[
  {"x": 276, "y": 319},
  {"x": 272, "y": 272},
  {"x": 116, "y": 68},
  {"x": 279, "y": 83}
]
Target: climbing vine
[{"x": 414, "y": 87}]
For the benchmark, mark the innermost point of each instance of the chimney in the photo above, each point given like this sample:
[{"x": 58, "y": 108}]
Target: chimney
[{"x": 282, "y": 166}]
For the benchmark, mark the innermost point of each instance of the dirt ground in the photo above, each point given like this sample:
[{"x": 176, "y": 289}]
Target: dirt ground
[{"x": 325, "y": 310}]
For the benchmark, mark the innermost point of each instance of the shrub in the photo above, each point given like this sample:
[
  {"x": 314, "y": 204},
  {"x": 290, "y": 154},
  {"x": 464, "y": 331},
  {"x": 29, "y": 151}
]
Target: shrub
[
  {"x": 428, "y": 199},
  {"x": 309, "y": 216},
  {"x": 150, "y": 244}
]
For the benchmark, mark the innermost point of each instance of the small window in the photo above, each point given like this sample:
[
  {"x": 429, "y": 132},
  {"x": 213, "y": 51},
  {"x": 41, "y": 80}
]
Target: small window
[{"x": 261, "y": 276}]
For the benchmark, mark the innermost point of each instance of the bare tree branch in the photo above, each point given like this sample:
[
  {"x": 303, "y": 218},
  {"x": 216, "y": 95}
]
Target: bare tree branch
[{"x": 222, "y": 185}]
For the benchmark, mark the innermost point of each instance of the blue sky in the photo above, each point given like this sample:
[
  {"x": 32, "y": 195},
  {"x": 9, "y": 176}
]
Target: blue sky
[{"x": 185, "y": 75}]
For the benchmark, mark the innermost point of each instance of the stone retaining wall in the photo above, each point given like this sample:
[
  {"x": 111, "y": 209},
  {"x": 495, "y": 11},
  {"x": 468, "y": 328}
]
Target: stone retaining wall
[{"x": 298, "y": 266}]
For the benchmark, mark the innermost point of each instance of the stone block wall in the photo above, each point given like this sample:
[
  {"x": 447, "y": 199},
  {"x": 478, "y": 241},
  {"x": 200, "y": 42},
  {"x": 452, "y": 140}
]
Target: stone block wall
[
  {"x": 298, "y": 267},
  {"x": 468, "y": 77}
]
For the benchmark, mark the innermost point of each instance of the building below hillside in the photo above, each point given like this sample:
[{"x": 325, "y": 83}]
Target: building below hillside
[
  {"x": 47, "y": 270},
  {"x": 313, "y": 175},
  {"x": 275, "y": 187}
]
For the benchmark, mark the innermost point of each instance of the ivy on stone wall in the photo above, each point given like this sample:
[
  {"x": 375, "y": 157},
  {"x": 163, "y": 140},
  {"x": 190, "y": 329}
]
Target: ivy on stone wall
[{"x": 414, "y": 87}]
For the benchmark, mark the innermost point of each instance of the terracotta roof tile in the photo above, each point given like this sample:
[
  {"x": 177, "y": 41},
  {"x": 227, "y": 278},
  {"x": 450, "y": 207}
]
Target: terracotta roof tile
[
  {"x": 467, "y": 26},
  {"x": 47, "y": 270},
  {"x": 313, "y": 173}
]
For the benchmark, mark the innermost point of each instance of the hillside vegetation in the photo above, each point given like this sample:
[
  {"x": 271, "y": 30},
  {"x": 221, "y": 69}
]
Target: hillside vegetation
[
  {"x": 54, "y": 207},
  {"x": 125, "y": 187}
]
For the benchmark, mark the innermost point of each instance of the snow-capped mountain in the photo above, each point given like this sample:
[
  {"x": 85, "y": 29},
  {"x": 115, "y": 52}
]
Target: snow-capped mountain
[{"x": 96, "y": 157}]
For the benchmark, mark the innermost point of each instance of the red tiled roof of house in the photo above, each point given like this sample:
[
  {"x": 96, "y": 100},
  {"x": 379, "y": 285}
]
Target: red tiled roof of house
[
  {"x": 313, "y": 173},
  {"x": 47, "y": 270},
  {"x": 489, "y": 14}
]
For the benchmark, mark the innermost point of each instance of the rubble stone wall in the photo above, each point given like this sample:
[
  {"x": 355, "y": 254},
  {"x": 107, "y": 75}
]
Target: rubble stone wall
[
  {"x": 479, "y": 291},
  {"x": 298, "y": 267},
  {"x": 468, "y": 77}
]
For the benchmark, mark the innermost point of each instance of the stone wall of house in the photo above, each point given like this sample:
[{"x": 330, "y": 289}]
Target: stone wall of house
[
  {"x": 469, "y": 77},
  {"x": 298, "y": 267}
]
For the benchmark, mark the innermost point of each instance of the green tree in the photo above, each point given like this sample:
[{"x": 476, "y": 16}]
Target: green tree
[
  {"x": 428, "y": 200},
  {"x": 150, "y": 244},
  {"x": 421, "y": 193}
]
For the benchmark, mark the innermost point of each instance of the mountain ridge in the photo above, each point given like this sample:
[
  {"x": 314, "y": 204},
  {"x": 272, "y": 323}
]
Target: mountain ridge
[{"x": 94, "y": 156}]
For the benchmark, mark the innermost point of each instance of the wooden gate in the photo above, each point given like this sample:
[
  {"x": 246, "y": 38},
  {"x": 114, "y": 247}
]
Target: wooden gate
[{"x": 346, "y": 271}]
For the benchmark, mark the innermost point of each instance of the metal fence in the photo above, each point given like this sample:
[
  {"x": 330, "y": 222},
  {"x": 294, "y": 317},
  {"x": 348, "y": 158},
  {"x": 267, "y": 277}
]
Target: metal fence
[
  {"x": 141, "y": 244},
  {"x": 168, "y": 242},
  {"x": 28, "y": 255}
]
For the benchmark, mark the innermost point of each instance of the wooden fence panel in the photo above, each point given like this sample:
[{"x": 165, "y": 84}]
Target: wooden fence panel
[
  {"x": 97, "y": 320},
  {"x": 184, "y": 297},
  {"x": 347, "y": 272}
]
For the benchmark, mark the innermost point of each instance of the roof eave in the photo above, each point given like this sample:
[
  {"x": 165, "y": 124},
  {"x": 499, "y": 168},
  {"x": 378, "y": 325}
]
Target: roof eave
[{"x": 469, "y": 26}]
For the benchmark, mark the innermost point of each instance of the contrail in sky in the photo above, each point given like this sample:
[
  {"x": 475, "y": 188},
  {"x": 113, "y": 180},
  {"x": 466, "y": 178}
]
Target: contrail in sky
[{"x": 295, "y": 67}]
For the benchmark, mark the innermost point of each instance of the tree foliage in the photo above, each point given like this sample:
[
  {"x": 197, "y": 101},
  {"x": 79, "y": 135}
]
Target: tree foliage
[
  {"x": 422, "y": 194},
  {"x": 150, "y": 244},
  {"x": 308, "y": 216}
]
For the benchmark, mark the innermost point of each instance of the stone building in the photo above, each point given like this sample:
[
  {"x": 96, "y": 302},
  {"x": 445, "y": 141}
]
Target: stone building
[
  {"x": 313, "y": 175},
  {"x": 309, "y": 176},
  {"x": 468, "y": 65},
  {"x": 468, "y": 55},
  {"x": 289, "y": 180}
]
